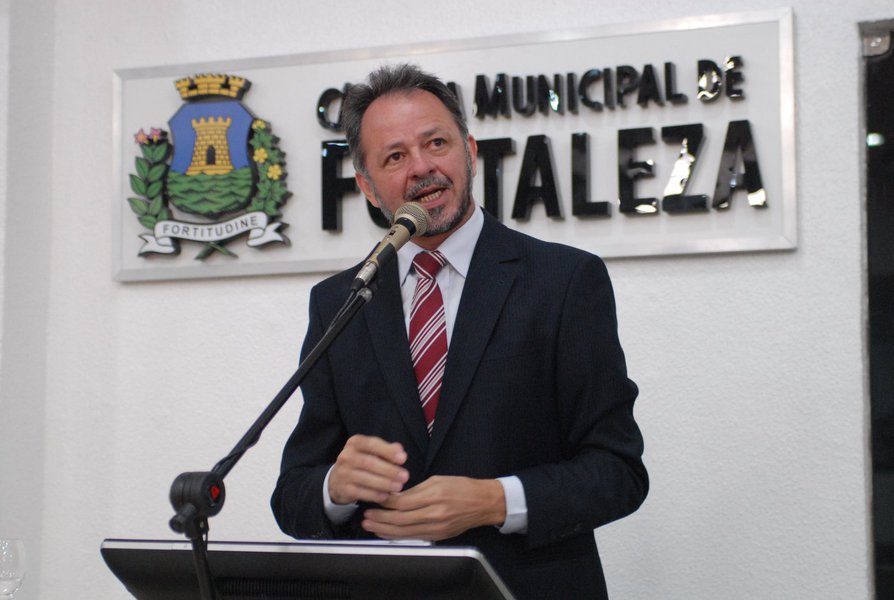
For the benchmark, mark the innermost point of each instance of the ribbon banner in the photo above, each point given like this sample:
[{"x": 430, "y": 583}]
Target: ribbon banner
[{"x": 255, "y": 223}]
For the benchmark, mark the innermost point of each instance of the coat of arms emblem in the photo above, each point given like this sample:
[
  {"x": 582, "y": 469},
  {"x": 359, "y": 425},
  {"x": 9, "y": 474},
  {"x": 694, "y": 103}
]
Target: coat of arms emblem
[{"x": 216, "y": 175}]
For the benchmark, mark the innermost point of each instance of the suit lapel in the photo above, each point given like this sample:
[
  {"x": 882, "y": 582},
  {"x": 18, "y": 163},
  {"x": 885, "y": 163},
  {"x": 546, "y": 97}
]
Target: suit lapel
[
  {"x": 491, "y": 274},
  {"x": 385, "y": 319}
]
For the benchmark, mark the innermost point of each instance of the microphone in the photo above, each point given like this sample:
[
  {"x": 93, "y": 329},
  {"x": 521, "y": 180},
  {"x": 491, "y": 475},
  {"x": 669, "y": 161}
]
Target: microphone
[{"x": 410, "y": 220}]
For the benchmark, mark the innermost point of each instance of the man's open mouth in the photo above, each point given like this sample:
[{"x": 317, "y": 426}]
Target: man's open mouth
[{"x": 430, "y": 196}]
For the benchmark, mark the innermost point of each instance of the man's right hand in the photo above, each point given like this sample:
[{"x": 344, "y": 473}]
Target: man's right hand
[{"x": 368, "y": 469}]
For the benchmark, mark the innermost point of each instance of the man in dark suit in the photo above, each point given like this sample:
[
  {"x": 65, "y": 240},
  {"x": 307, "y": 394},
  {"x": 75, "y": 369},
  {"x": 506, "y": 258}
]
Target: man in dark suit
[{"x": 532, "y": 443}]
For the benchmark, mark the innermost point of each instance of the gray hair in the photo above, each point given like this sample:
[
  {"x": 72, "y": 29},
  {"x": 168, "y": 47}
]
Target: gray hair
[{"x": 387, "y": 80}]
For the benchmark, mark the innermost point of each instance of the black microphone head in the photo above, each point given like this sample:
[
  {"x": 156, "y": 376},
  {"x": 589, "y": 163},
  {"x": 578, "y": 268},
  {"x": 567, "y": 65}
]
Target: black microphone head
[{"x": 416, "y": 214}]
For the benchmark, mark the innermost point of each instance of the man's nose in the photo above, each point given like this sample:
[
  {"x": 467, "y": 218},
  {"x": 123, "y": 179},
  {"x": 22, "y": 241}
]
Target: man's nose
[{"x": 421, "y": 165}]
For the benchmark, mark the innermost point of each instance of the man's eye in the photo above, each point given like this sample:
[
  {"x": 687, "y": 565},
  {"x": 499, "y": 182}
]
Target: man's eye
[
  {"x": 438, "y": 142},
  {"x": 394, "y": 157}
]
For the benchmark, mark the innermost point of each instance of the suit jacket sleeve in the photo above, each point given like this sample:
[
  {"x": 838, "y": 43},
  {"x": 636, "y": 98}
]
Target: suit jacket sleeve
[
  {"x": 297, "y": 500},
  {"x": 601, "y": 477}
]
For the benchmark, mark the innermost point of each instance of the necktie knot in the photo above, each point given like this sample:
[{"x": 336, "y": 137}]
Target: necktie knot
[{"x": 427, "y": 264}]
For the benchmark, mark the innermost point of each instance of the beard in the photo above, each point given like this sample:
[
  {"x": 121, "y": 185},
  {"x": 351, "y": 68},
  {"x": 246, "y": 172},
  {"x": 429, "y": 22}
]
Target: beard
[{"x": 442, "y": 220}]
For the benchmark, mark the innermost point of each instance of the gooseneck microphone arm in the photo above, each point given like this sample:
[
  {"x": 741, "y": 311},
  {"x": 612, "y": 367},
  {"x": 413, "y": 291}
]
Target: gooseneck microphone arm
[
  {"x": 410, "y": 220},
  {"x": 196, "y": 496}
]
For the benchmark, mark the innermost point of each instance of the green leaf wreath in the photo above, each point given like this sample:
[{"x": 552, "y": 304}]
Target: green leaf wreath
[{"x": 148, "y": 182}]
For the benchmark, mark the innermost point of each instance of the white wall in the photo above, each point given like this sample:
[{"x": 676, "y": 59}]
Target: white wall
[
  {"x": 4, "y": 111},
  {"x": 28, "y": 147},
  {"x": 751, "y": 366}
]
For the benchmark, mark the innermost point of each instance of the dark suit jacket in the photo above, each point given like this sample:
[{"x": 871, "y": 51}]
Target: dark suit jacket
[{"x": 535, "y": 386}]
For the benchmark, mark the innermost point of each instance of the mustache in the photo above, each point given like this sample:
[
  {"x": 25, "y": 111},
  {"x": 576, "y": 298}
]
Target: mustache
[{"x": 431, "y": 180}]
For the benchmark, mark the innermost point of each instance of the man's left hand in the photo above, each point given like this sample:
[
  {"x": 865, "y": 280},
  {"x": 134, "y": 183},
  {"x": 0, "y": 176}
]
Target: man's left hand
[{"x": 438, "y": 508}]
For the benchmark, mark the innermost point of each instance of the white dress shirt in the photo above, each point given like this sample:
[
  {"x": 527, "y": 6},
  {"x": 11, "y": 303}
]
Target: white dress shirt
[{"x": 457, "y": 249}]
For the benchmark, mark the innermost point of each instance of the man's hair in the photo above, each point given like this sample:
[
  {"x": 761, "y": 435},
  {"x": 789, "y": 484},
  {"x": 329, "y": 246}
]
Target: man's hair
[{"x": 387, "y": 80}]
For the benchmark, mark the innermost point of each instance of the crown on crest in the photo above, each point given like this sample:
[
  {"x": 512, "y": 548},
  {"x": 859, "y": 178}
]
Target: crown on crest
[{"x": 212, "y": 84}]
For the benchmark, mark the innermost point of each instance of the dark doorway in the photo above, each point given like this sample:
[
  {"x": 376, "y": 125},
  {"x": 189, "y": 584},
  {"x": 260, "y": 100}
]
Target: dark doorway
[{"x": 879, "y": 94}]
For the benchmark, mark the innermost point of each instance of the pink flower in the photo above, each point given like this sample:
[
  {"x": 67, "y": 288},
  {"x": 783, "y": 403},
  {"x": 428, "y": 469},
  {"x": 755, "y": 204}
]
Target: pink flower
[{"x": 140, "y": 137}]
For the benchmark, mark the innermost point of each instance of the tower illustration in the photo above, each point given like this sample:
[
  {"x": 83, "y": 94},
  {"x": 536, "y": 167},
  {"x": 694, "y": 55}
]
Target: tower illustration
[{"x": 211, "y": 154}]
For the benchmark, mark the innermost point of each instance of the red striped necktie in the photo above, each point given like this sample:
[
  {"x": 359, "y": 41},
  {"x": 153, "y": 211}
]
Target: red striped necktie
[{"x": 428, "y": 333}]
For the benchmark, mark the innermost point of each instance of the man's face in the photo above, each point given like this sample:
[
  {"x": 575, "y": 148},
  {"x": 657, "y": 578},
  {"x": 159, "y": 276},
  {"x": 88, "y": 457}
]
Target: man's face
[{"x": 413, "y": 151}]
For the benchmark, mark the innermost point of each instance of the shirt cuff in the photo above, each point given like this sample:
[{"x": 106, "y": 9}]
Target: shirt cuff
[
  {"x": 516, "y": 505},
  {"x": 336, "y": 513}
]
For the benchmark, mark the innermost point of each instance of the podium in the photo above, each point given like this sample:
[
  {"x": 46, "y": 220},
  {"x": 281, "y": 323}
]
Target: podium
[{"x": 305, "y": 570}]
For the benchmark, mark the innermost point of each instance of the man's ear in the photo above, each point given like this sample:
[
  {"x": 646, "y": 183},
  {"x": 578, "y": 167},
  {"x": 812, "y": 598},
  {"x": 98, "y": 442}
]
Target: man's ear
[
  {"x": 473, "y": 153},
  {"x": 366, "y": 189}
]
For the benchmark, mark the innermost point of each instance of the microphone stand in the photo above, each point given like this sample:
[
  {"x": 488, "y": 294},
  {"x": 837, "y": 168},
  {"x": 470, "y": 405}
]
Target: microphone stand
[{"x": 196, "y": 496}]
